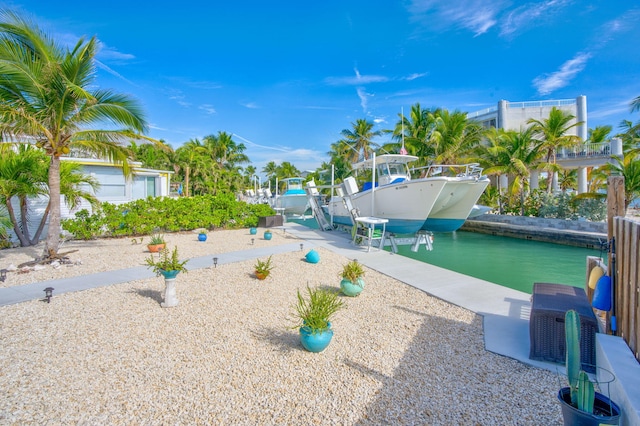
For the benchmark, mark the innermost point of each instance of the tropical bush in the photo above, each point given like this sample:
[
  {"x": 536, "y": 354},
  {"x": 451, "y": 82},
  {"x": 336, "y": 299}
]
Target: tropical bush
[{"x": 146, "y": 216}]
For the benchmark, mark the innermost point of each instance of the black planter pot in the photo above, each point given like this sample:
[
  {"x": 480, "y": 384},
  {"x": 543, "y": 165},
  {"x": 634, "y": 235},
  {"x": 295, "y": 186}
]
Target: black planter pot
[{"x": 606, "y": 412}]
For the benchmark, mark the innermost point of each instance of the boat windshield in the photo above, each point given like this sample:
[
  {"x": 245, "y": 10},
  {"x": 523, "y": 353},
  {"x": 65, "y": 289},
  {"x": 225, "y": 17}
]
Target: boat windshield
[{"x": 294, "y": 184}]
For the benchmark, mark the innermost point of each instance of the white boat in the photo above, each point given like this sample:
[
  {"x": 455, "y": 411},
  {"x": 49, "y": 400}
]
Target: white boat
[
  {"x": 294, "y": 199},
  {"x": 390, "y": 195},
  {"x": 464, "y": 186}
]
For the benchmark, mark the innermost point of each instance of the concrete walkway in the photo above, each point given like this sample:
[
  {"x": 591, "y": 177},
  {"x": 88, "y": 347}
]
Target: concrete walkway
[{"x": 505, "y": 311}]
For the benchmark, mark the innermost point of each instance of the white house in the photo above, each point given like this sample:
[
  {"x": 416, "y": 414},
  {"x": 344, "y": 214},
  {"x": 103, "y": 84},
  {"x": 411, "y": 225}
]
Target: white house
[{"x": 114, "y": 188}]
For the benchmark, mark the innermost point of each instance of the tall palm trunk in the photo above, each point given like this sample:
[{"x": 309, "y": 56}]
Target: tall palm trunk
[{"x": 53, "y": 234}]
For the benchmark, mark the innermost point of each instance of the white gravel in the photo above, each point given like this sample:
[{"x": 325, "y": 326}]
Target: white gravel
[{"x": 227, "y": 353}]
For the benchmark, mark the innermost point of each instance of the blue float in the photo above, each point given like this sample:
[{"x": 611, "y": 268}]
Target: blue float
[
  {"x": 313, "y": 256},
  {"x": 602, "y": 294}
]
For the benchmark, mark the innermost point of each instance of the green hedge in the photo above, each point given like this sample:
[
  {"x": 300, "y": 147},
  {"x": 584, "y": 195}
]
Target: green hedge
[{"x": 142, "y": 217}]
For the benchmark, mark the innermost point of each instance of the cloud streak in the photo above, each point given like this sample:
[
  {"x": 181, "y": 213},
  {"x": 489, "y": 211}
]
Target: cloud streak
[
  {"x": 548, "y": 83},
  {"x": 477, "y": 16}
]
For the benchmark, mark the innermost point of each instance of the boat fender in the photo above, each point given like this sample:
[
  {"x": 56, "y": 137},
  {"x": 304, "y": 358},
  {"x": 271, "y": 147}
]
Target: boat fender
[{"x": 594, "y": 276}]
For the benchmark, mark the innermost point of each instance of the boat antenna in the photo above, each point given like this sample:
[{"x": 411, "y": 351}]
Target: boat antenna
[{"x": 403, "y": 150}]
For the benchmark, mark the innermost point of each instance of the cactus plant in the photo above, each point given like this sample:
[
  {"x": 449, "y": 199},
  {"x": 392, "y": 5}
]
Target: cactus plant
[
  {"x": 572, "y": 339},
  {"x": 579, "y": 398},
  {"x": 582, "y": 390}
]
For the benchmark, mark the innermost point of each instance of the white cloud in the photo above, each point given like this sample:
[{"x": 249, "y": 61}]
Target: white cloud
[
  {"x": 477, "y": 16},
  {"x": 113, "y": 72},
  {"x": 209, "y": 109},
  {"x": 414, "y": 76},
  {"x": 550, "y": 82},
  {"x": 530, "y": 14},
  {"x": 250, "y": 105},
  {"x": 364, "y": 98},
  {"x": 353, "y": 81}
]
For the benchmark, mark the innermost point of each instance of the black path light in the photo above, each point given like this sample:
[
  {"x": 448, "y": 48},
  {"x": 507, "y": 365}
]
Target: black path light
[
  {"x": 252, "y": 241},
  {"x": 215, "y": 262},
  {"x": 301, "y": 246},
  {"x": 3, "y": 274},
  {"x": 48, "y": 292}
]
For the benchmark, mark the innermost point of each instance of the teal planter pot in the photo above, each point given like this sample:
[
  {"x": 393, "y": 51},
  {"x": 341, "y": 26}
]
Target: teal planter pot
[
  {"x": 202, "y": 237},
  {"x": 169, "y": 274},
  {"x": 315, "y": 342},
  {"x": 253, "y": 231},
  {"x": 313, "y": 256},
  {"x": 351, "y": 289},
  {"x": 267, "y": 235}
]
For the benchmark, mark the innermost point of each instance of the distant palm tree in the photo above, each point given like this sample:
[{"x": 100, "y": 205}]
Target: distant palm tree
[
  {"x": 48, "y": 96},
  {"x": 360, "y": 139},
  {"x": 552, "y": 132}
]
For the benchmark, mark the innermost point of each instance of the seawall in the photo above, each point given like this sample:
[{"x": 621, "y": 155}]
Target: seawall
[{"x": 558, "y": 231}]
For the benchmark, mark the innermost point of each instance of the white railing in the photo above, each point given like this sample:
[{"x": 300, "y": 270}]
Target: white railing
[
  {"x": 540, "y": 104},
  {"x": 586, "y": 150}
]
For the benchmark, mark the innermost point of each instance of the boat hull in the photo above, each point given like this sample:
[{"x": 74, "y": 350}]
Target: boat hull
[
  {"x": 454, "y": 204},
  {"x": 292, "y": 203},
  {"x": 405, "y": 205}
]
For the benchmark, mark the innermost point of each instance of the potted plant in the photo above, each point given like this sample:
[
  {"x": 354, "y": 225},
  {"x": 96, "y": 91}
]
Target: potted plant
[
  {"x": 253, "y": 230},
  {"x": 169, "y": 266},
  {"x": 267, "y": 235},
  {"x": 352, "y": 283},
  {"x": 156, "y": 243},
  {"x": 314, "y": 315},
  {"x": 263, "y": 268},
  {"x": 580, "y": 403},
  {"x": 202, "y": 234}
]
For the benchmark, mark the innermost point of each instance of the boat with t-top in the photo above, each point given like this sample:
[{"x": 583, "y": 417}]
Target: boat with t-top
[
  {"x": 294, "y": 199},
  {"x": 438, "y": 201}
]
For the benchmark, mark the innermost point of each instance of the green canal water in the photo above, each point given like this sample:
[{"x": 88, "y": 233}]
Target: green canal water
[{"x": 510, "y": 262}]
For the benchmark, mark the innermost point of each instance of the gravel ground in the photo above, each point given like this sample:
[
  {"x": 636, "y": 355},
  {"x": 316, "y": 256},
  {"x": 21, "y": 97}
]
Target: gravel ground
[{"x": 227, "y": 353}]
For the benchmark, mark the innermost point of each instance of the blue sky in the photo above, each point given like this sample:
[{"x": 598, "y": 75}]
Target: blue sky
[{"x": 286, "y": 77}]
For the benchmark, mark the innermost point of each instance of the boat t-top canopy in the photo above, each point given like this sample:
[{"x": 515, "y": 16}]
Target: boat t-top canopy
[{"x": 384, "y": 159}]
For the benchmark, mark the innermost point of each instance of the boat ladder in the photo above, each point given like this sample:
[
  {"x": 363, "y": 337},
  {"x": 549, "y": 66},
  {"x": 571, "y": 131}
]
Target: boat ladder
[{"x": 318, "y": 214}]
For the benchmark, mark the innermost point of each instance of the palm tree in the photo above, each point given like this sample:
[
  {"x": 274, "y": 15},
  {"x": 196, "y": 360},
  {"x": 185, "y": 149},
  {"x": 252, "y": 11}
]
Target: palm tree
[
  {"x": 360, "y": 138},
  {"x": 417, "y": 129},
  {"x": 23, "y": 174},
  {"x": 552, "y": 132},
  {"x": 271, "y": 170},
  {"x": 47, "y": 96},
  {"x": 514, "y": 153},
  {"x": 629, "y": 167},
  {"x": 453, "y": 136},
  {"x": 599, "y": 135}
]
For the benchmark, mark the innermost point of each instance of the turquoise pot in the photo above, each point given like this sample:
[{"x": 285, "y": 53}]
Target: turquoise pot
[
  {"x": 315, "y": 342},
  {"x": 313, "y": 256},
  {"x": 202, "y": 237},
  {"x": 351, "y": 289},
  {"x": 267, "y": 235},
  {"x": 169, "y": 274},
  {"x": 253, "y": 231}
]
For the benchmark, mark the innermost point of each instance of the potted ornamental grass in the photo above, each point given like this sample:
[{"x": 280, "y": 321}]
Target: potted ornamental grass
[
  {"x": 352, "y": 282},
  {"x": 580, "y": 403},
  {"x": 313, "y": 315},
  {"x": 169, "y": 266},
  {"x": 263, "y": 268}
]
